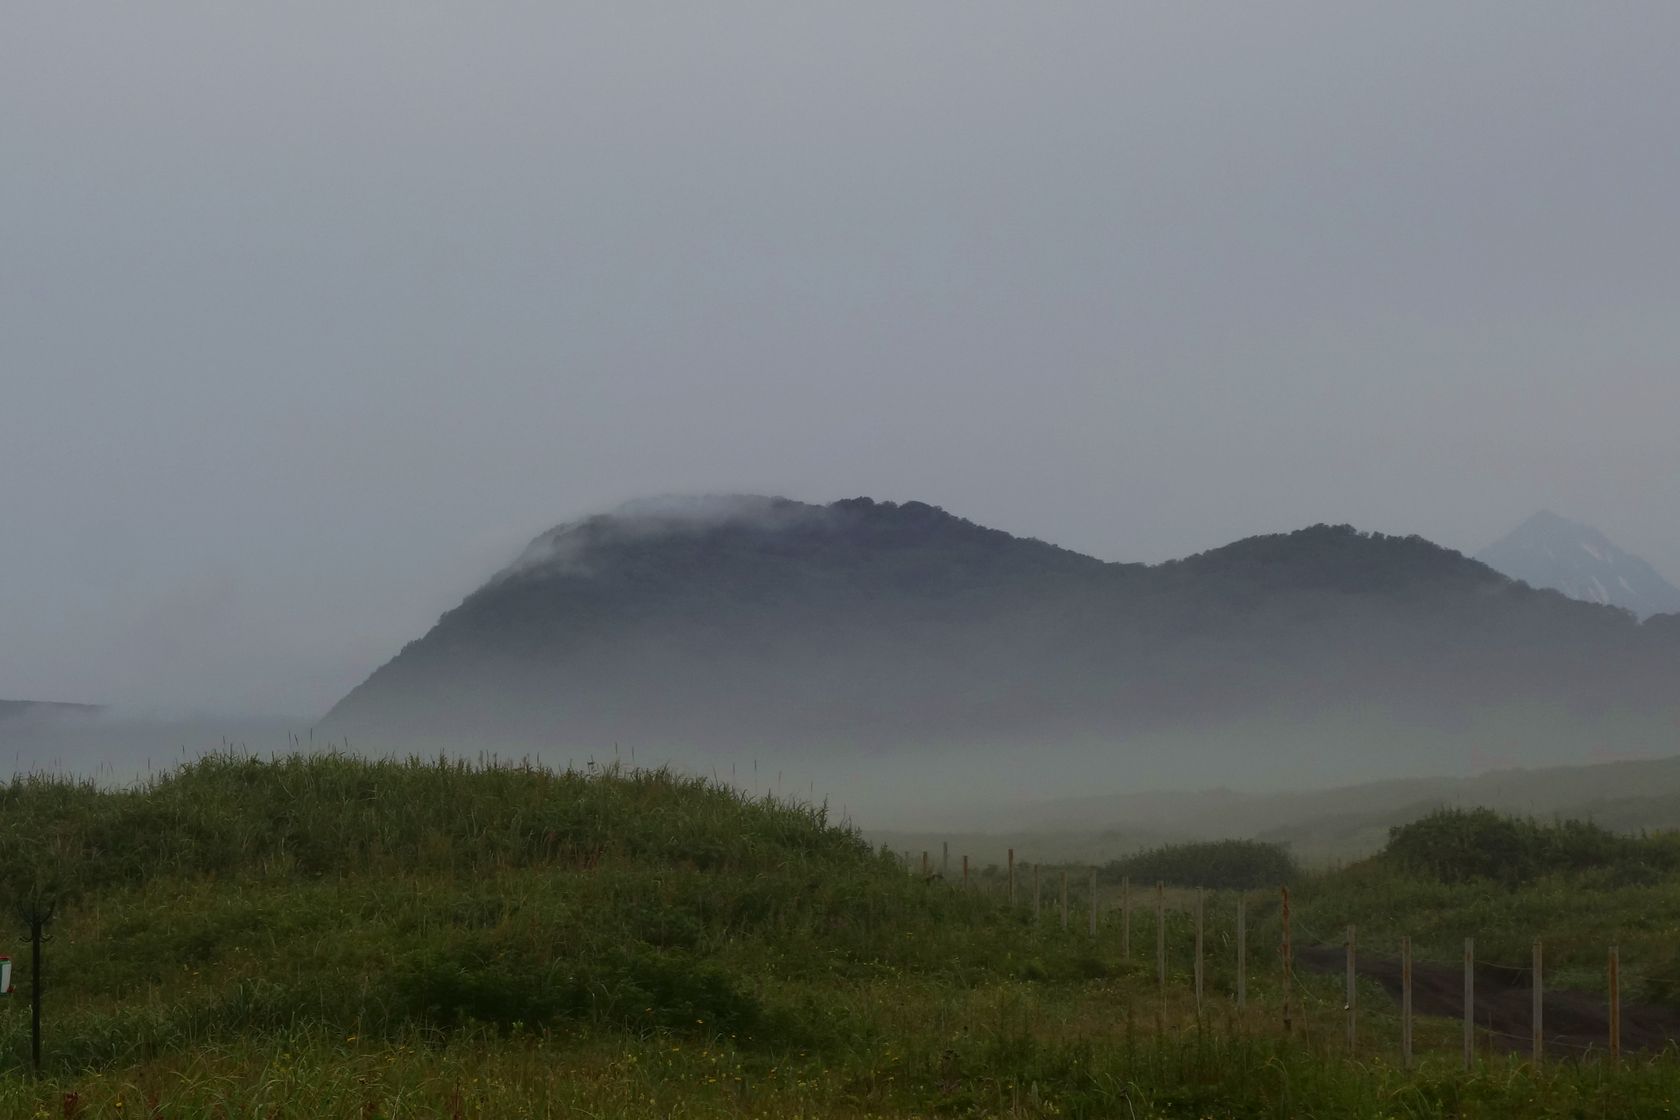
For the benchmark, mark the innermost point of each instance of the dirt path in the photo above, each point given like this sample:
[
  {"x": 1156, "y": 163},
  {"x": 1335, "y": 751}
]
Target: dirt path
[{"x": 1573, "y": 1021}]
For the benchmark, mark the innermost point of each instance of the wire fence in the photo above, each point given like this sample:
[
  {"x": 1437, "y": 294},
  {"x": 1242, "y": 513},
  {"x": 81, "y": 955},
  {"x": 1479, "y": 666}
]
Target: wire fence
[{"x": 1503, "y": 1005}]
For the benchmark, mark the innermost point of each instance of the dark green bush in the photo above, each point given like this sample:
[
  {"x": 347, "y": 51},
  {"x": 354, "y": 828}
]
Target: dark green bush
[
  {"x": 1470, "y": 845},
  {"x": 1222, "y": 864}
]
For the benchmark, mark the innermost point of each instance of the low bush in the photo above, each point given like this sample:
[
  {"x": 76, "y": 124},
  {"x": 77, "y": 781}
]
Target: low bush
[
  {"x": 1470, "y": 845},
  {"x": 1221, "y": 864}
]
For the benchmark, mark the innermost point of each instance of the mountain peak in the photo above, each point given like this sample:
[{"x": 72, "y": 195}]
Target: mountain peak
[
  {"x": 566, "y": 548},
  {"x": 755, "y": 524},
  {"x": 1551, "y": 551},
  {"x": 1549, "y": 527}
]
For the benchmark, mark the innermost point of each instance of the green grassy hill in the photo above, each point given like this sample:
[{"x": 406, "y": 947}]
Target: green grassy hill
[
  {"x": 239, "y": 904},
  {"x": 240, "y": 895},
  {"x": 329, "y": 936}
]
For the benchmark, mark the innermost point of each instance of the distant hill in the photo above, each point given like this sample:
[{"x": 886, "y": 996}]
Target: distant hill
[
  {"x": 1578, "y": 560},
  {"x": 44, "y": 710},
  {"x": 1319, "y": 826},
  {"x": 729, "y": 627},
  {"x": 1349, "y": 821}
]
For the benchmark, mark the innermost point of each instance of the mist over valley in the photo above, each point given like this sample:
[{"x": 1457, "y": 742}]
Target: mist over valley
[{"x": 901, "y": 660}]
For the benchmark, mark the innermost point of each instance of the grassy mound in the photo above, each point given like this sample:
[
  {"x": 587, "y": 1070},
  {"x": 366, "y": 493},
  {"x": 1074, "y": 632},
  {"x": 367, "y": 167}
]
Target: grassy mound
[{"x": 374, "y": 898}]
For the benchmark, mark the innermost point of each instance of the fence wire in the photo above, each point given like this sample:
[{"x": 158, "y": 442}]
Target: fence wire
[{"x": 1140, "y": 912}]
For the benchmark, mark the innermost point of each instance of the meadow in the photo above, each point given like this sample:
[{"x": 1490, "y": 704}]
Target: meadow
[{"x": 325, "y": 936}]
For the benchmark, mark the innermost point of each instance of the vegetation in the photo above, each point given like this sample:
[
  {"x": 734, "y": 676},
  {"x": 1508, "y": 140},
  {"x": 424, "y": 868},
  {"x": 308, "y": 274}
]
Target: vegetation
[
  {"x": 328, "y": 936},
  {"x": 1507, "y": 881},
  {"x": 1226, "y": 864},
  {"x": 1460, "y": 846}
]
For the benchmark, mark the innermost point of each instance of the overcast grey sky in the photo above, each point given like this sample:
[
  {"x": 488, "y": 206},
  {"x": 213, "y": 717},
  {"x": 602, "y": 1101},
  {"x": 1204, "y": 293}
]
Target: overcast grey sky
[{"x": 312, "y": 314}]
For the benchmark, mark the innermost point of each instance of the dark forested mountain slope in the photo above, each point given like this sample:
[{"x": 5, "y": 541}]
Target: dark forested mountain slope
[{"x": 747, "y": 622}]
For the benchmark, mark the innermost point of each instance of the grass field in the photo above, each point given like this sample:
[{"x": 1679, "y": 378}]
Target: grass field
[{"x": 327, "y": 936}]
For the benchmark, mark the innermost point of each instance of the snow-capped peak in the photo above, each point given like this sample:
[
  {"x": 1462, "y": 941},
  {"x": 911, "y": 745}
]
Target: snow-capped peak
[{"x": 1578, "y": 560}]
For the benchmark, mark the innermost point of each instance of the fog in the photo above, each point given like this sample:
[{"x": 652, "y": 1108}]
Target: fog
[
  {"x": 915, "y": 665},
  {"x": 312, "y": 316}
]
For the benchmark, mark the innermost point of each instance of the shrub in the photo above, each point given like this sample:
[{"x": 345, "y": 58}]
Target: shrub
[
  {"x": 1227, "y": 864},
  {"x": 1468, "y": 845}
]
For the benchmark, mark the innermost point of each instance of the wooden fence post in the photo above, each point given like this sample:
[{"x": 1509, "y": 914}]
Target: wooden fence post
[
  {"x": 945, "y": 859},
  {"x": 1038, "y": 895},
  {"x": 1161, "y": 938},
  {"x": 1469, "y": 1002},
  {"x": 36, "y": 925},
  {"x": 965, "y": 870},
  {"x": 1288, "y": 965},
  {"x": 1406, "y": 1002},
  {"x": 1615, "y": 1007},
  {"x": 1012, "y": 878},
  {"x": 1539, "y": 1007},
  {"x": 1093, "y": 930},
  {"x": 1126, "y": 918},
  {"x": 924, "y": 865},
  {"x": 1242, "y": 952},
  {"x": 1199, "y": 942},
  {"x": 1352, "y": 997},
  {"x": 1064, "y": 902}
]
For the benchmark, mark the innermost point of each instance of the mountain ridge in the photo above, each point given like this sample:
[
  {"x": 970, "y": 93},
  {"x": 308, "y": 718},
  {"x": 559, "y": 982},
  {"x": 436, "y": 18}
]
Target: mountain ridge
[{"x": 751, "y": 624}]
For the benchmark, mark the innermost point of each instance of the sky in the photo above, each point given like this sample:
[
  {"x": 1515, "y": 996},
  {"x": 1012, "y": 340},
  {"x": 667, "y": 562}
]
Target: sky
[{"x": 311, "y": 315}]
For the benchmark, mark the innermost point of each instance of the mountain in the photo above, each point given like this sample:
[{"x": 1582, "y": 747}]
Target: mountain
[
  {"x": 900, "y": 650},
  {"x": 1578, "y": 560}
]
